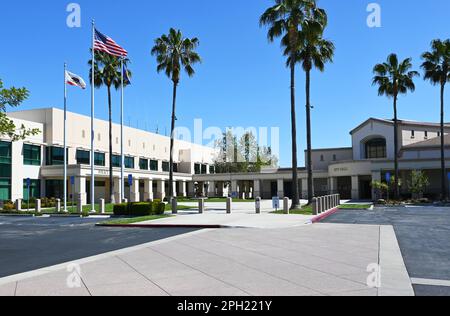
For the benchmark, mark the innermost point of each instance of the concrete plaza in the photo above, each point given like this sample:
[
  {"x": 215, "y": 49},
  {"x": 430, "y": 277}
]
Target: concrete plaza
[{"x": 311, "y": 260}]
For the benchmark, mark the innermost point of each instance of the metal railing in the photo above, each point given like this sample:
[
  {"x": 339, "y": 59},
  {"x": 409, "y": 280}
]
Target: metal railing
[{"x": 325, "y": 203}]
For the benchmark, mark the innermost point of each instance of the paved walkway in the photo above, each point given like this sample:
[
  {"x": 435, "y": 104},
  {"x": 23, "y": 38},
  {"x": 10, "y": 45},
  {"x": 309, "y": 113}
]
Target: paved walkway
[{"x": 322, "y": 259}]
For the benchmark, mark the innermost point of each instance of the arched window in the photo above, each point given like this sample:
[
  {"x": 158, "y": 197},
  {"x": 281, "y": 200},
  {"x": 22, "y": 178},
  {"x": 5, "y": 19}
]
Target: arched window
[{"x": 376, "y": 149}]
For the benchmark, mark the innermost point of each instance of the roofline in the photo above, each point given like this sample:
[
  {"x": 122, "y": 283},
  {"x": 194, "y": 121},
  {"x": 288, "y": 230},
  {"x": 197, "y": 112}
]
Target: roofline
[
  {"x": 401, "y": 122},
  {"x": 331, "y": 149}
]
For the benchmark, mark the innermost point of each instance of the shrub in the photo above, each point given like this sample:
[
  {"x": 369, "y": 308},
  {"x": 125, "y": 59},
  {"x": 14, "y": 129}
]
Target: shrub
[
  {"x": 121, "y": 209},
  {"x": 8, "y": 206},
  {"x": 140, "y": 209},
  {"x": 159, "y": 209}
]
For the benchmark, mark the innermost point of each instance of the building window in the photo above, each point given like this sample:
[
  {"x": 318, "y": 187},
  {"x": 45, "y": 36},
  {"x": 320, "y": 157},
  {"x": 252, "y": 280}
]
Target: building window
[
  {"x": 99, "y": 159},
  {"x": 35, "y": 189},
  {"x": 165, "y": 166},
  {"x": 5, "y": 189},
  {"x": 154, "y": 165},
  {"x": 116, "y": 161},
  {"x": 31, "y": 155},
  {"x": 322, "y": 158},
  {"x": 129, "y": 162},
  {"x": 426, "y": 134},
  {"x": 83, "y": 157},
  {"x": 83, "y": 134},
  {"x": 54, "y": 189},
  {"x": 212, "y": 169},
  {"x": 413, "y": 134},
  {"x": 439, "y": 134},
  {"x": 334, "y": 158},
  {"x": 54, "y": 156},
  {"x": 197, "y": 168},
  {"x": 5, "y": 171},
  {"x": 376, "y": 149},
  {"x": 204, "y": 168},
  {"x": 175, "y": 167},
  {"x": 143, "y": 164}
]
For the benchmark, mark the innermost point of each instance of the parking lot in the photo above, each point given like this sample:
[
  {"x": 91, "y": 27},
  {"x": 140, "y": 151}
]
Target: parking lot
[
  {"x": 30, "y": 243},
  {"x": 423, "y": 234}
]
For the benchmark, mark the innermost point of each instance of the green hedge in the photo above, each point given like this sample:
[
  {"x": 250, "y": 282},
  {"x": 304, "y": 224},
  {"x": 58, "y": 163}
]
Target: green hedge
[{"x": 139, "y": 209}]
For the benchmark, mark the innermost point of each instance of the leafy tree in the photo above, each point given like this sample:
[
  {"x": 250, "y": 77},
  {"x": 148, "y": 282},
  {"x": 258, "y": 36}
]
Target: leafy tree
[
  {"x": 419, "y": 183},
  {"x": 108, "y": 72},
  {"x": 13, "y": 97},
  {"x": 394, "y": 78},
  {"x": 380, "y": 188},
  {"x": 285, "y": 19},
  {"x": 436, "y": 66},
  {"x": 242, "y": 155},
  {"x": 173, "y": 54}
]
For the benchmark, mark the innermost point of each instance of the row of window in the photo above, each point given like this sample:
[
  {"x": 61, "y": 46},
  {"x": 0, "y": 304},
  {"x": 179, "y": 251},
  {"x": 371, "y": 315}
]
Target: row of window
[
  {"x": 413, "y": 134},
  {"x": 202, "y": 169}
]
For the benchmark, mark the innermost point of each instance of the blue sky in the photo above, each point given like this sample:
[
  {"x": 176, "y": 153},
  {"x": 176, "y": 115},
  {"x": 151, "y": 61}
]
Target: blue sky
[{"x": 242, "y": 81}]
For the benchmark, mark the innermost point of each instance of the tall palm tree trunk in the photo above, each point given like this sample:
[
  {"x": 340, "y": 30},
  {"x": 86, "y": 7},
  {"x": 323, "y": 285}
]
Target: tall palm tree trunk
[
  {"x": 397, "y": 173},
  {"x": 308, "y": 133},
  {"x": 444, "y": 193},
  {"x": 172, "y": 140},
  {"x": 111, "y": 179},
  {"x": 295, "y": 193}
]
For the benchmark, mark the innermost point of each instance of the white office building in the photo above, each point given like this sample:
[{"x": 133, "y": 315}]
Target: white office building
[
  {"x": 40, "y": 158},
  {"x": 350, "y": 171}
]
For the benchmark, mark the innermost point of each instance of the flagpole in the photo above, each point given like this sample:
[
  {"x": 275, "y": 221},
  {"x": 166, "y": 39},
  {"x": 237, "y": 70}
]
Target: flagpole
[
  {"x": 65, "y": 138},
  {"x": 122, "y": 179},
  {"x": 92, "y": 121}
]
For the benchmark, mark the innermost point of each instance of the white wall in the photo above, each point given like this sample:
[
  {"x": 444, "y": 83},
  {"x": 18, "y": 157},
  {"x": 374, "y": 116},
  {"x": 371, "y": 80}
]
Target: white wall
[{"x": 373, "y": 130}]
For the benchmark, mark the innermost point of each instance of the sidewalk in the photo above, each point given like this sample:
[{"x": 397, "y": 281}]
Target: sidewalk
[{"x": 321, "y": 259}]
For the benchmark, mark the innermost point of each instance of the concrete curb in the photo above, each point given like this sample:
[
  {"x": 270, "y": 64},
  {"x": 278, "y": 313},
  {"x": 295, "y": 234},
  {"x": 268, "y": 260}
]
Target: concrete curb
[
  {"x": 322, "y": 216},
  {"x": 162, "y": 226}
]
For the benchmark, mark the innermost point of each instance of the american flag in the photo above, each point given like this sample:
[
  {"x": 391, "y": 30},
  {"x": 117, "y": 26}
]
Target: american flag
[{"x": 107, "y": 45}]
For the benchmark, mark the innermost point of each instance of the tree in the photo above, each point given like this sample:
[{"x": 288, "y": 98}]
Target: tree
[
  {"x": 108, "y": 72},
  {"x": 285, "y": 19},
  {"x": 380, "y": 189},
  {"x": 242, "y": 155},
  {"x": 312, "y": 51},
  {"x": 394, "y": 78},
  {"x": 436, "y": 66},
  {"x": 173, "y": 54},
  {"x": 419, "y": 183},
  {"x": 13, "y": 97}
]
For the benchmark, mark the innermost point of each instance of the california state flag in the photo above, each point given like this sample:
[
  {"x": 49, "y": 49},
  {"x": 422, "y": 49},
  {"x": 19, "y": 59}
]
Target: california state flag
[{"x": 75, "y": 80}]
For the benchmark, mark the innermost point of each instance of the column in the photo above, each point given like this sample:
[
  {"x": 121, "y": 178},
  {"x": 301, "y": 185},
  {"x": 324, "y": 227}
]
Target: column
[
  {"x": 256, "y": 188},
  {"x": 333, "y": 185},
  {"x": 135, "y": 195},
  {"x": 148, "y": 189},
  {"x": 376, "y": 176},
  {"x": 212, "y": 189},
  {"x": 234, "y": 187},
  {"x": 175, "y": 188},
  {"x": 280, "y": 190},
  {"x": 80, "y": 190},
  {"x": 117, "y": 190},
  {"x": 305, "y": 188},
  {"x": 355, "y": 188},
  {"x": 161, "y": 186}
]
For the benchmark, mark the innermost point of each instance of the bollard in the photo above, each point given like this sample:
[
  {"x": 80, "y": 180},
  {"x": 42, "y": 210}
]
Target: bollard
[
  {"x": 58, "y": 206},
  {"x": 102, "y": 206},
  {"x": 286, "y": 205},
  {"x": 38, "y": 206},
  {"x": 80, "y": 206},
  {"x": 201, "y": 206},
  {"x": 229, "y": 205},
  {"x": 174, "y": 206},
  {"x": 258, "y": 205},
  {"x": 315, "y": 206},
  {"x": 19, "y": 205}
]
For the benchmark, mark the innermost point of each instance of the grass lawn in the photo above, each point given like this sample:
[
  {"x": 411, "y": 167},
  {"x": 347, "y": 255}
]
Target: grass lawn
[
  {"x": 215, "y": 200},
  {"x": 305, "y": 210},
  {"x": 134, "y": 220},
  {"x": 180, "y": 207},
  {"x": 355, "y": 206}
]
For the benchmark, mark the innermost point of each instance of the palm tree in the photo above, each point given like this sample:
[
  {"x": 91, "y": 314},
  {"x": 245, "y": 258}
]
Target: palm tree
[
  {"x": 108, "y": 73},
  {"x": 313, "y": 51},
  {"x": 285, "y": 20},
  {"x": 437, "y": 69},
  {"x": 174, "y": 52},
  {"x": 394, "y": 78}
]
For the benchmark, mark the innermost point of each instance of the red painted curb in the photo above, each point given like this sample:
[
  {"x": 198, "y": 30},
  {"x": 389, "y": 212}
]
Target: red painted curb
[
  {"x": 160, "y": 226},
  {"x": 324, "y": 215}
]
